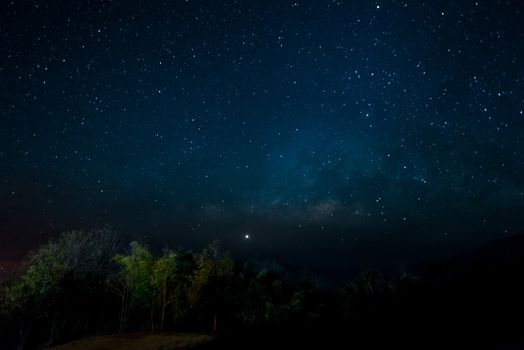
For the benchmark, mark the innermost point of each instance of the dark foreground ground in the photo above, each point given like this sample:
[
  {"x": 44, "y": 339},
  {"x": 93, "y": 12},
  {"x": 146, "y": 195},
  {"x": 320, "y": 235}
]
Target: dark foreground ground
[
  {"x": 298, "y": 340},
  {"x": 138, "y": 341}
]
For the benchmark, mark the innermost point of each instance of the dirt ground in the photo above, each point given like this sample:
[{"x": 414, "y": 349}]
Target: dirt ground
[{"x": 138, "y": 341}]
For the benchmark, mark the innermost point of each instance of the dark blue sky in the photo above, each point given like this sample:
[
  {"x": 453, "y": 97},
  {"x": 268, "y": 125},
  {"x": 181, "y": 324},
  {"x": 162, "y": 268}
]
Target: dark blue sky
[{"x": 333, "y": 132}]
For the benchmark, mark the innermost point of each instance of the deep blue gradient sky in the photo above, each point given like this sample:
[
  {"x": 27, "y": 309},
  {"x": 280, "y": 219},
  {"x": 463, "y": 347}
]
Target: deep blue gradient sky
[{"x": 333, "y": 132}]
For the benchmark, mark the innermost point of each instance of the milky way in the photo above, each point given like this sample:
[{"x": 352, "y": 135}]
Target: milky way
[{"x": 343, "y": 130}]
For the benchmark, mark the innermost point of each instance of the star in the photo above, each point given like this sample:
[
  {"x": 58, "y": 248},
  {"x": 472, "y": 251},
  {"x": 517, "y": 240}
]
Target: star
[{"x": 263, "y": 125}]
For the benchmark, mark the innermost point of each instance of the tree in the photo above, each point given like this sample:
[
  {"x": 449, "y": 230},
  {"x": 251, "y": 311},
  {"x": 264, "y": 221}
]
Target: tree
[
  {"x": 186, "y": 266},
  {"x": 136, "y": 283},
  {"x": 163, "y": 277},
  {"x": 59, "y": 283},
  {"x": 269, "y": 299},
  {"x": 211, "y": 279}
]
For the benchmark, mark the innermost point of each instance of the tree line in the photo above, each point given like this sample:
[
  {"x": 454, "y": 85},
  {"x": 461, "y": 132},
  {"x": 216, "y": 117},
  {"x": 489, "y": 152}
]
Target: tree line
[{"x": 88, "y": 283}]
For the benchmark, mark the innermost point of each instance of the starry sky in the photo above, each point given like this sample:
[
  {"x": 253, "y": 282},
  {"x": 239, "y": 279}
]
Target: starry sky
[{"x": 333, "y": 133}]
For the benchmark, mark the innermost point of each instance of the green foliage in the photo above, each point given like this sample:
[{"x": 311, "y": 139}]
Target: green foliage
[
  {"x": 270, "y": 297},
  {"x": 163, "y": 282},
  {"x": 153, "y": 288},
  {"x": 78, "y": 284},
  {"x": 211, "y": 282},
  {"x": 137, "y": 270},
  {"x": 57, "y": 289},
  {"x": 214, "y": 269},
  {"x": 77, "y": 255}
]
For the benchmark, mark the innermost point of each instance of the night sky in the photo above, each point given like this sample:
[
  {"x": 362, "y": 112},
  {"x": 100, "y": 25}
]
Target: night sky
[{"x": 336, "y": 134}]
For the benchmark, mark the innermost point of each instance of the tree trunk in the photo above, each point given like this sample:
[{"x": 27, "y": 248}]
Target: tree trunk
[
  {"x": 162, "y": 316},
  {"x": 50, "y": 341},
  {"x": 164, "y": 304},
  {"x": 151, "y": 317},
  {"x": 123, "y": 312},
  {"x": 24, "y": 331}
]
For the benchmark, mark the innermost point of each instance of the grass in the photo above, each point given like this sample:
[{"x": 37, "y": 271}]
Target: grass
[{"x": 138, "y": 341}]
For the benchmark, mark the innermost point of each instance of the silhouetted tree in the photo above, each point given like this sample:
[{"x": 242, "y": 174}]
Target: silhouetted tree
[
  {"x": 59, "y": 283},
  {"x": 211, "y": 279}
]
